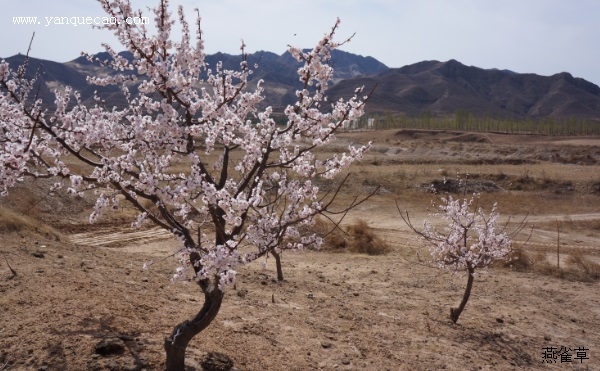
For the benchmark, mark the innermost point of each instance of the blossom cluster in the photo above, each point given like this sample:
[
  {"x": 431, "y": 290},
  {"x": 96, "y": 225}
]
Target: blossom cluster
[{"x": 471, "y": 239}]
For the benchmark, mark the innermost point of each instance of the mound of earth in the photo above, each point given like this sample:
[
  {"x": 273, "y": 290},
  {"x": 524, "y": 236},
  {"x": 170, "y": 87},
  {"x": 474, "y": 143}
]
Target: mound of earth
[
  {"x": 416, "y": 133},
  {"x": 469, "y": 138},
  {"x": 443, "y": 136}
]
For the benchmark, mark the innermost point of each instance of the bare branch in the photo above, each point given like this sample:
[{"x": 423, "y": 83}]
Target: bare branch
[{"x": 14, "y": 273}]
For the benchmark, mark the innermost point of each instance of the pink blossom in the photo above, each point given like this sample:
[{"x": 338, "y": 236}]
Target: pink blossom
[{"x": 471, "y": 238}]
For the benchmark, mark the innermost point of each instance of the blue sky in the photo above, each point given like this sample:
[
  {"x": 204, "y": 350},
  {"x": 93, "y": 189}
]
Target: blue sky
[{"x": 526, "y": 36}]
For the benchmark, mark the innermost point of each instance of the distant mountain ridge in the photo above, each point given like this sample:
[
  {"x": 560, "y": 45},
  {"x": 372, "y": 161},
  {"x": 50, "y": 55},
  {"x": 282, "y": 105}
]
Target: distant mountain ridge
[
  {"x": 438, "y": 88},
  {"x": 278, "y": 71},
  {"x": 442, "y": 88}
]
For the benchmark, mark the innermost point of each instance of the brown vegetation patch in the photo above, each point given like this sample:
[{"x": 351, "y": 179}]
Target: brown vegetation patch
[
  {"x": 363, "y": 239},
  {"x": 588, "y": 269},
  {"x": 416, "y": 133},
  {"x": 574, "y": 265},
  {"x": 12, "y": 222},
  {"x": 458, "y": 187},
  {"x": 595, "y": 188},
  {"x": 470, "y": 138},
  {"x": 357, "y": 237},
  {"x": 518, "y": 259}
]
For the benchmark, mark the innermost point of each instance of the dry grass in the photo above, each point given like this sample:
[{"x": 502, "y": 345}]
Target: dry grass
[
  {"x": 576, "y": 267},
  {"x": 569, "y": 225},
  {"x": 589, "y": 227},
  {"x": 12, "y": 222},
  {"x": 581, "y": 264},
  {"x": 545, "y": 188},
  {"x": 334, "y": 237},
  {"x": 518, "y": 259},
  {"x": 357, "y": 237},
  {"x": 363, "y": 239}
]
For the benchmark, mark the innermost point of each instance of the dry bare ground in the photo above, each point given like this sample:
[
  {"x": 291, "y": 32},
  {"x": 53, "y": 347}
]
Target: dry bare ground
[{"x": 80, "y": 299}]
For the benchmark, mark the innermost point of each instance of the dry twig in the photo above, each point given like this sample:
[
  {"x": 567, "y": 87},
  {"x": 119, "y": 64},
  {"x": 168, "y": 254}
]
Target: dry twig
[{"x": 14, "y": 273}]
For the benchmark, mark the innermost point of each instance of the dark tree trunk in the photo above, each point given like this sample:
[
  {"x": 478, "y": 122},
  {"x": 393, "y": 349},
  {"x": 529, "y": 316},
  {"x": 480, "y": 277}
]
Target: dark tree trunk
[
  {"x": 176, "y": 344},
  {"x": 455, "y": 312},
  {"x": 278, "y": 265}
]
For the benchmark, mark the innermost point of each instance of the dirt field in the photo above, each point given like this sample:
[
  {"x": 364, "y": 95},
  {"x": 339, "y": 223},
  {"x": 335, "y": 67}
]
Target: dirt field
[{"x": 80, "y": 299}]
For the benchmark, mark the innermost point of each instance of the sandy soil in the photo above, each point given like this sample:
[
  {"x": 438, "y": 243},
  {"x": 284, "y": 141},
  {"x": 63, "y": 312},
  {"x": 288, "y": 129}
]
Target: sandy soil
[
  {"x": 334, "y": 311},
  {"x": 85, "y": 287}
]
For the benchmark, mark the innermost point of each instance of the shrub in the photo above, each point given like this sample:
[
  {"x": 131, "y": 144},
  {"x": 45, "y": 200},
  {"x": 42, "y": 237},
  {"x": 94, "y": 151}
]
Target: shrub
[
  {"x": 364, "y": 241},
  {"x": 333, "y": 237},
  {"x": 357, "y": 237},
  {"x": 518, "y": 259},
  {"x": 587, "y": 269},
  {"x": 577, "y": 267}
]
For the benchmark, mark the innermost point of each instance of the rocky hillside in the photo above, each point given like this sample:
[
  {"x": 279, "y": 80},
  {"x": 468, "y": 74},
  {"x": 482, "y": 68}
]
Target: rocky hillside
[
  {"x": 278, "y": 72},
  {"x": 442, "y": 88},
  {"x": 438, "y": 88}
]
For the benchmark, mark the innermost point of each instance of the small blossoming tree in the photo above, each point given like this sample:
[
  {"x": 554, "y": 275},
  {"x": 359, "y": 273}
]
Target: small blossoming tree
[
  {"x": 471, "y": 240},
  {"x": 249, "y": 183}
]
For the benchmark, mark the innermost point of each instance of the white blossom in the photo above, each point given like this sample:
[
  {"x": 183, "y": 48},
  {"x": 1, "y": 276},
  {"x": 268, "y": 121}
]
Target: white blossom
[{"x": 470, "y": 238}]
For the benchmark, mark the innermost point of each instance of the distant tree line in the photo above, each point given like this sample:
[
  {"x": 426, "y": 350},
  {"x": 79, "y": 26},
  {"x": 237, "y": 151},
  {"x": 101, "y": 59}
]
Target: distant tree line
[{"x": 464, "y": 120}]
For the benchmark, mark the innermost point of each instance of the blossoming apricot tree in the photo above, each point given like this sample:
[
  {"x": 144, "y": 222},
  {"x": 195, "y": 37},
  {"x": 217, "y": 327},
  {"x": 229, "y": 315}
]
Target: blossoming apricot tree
[
  {"x": 249, "y": 182},
  {"x": 470, "y": 240}
]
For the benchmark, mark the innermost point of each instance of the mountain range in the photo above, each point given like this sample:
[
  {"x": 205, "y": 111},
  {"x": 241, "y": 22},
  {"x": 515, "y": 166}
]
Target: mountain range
[
  {"x": 442, "y": 88},
  {"x": 438, "y": 88}
]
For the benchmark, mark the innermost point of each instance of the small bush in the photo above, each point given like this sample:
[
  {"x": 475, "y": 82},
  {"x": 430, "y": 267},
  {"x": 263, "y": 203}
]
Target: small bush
[
  {"x": 577, "y": 267},
  {"x": 357, "y": 237},
  {"x": 589, "y": 270},
  {"x": 518, "y": 259},
  {"x": 525, "y": 179},
  {"x": 459, "y": 186},
  {"x": 364, "y": 241},
  {"x": 547, "y": 269},
  {"x": 334, "y": 237}
]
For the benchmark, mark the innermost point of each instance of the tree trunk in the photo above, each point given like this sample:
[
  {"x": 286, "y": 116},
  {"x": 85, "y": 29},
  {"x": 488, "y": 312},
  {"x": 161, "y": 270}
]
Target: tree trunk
[
  {"x": 455, "y": 312},
  {"x": 278, "y": 265},
  {"x": 176, "y": 344}
]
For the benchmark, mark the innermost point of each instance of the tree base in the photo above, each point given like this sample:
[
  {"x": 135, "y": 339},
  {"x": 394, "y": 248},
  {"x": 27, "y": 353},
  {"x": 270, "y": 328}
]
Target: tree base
[
  {"x": 176, "y": 344},
  {"x": 454, "y": 314}
]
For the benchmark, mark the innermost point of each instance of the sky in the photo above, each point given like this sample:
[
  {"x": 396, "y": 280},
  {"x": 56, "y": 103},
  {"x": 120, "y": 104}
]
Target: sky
[{"x": 526, "y": 36}]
